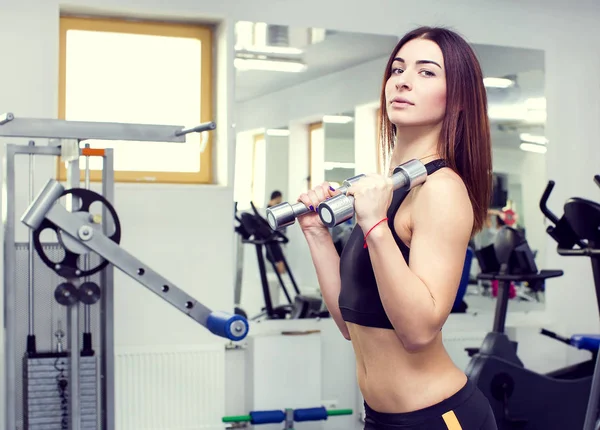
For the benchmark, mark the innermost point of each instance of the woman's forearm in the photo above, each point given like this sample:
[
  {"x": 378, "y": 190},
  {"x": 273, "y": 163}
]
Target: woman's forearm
[
  {"x": 406, "y": 299},
  {"x": 327, "y": 264}
]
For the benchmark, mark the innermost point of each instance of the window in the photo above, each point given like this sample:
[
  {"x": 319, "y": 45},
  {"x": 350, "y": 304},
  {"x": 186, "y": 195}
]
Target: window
[
  {"x": 259, "y": 169},
  {"x": 140, "y": 72},
  {"x": 250, "y": 170}
]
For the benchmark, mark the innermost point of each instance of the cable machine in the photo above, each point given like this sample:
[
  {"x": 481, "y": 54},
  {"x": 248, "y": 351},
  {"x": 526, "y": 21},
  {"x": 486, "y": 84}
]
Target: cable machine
[{"x": 59, "y": 368}]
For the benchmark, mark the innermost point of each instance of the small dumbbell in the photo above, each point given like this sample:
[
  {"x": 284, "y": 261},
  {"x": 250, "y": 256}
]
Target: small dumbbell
[{"x": 340, "y": 208}]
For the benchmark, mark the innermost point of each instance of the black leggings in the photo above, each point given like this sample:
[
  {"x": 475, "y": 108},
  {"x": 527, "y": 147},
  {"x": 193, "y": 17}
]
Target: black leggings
[{"x": 468, "y": 409}]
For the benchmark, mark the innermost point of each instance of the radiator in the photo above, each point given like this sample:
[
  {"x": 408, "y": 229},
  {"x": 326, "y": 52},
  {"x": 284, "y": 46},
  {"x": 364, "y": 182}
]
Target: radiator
[{"x": 170, "y": 388}]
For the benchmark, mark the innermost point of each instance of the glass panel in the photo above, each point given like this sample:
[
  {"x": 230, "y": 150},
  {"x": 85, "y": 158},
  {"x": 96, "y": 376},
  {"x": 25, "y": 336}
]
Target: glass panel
[{"x": 242, "y": 191}]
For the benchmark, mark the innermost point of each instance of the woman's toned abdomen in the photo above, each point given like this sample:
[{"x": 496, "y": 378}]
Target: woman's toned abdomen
[{"x": 394, "y": 380}]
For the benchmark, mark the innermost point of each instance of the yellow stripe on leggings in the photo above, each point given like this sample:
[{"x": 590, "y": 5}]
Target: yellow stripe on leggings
[{"x": 451, "y": 421}]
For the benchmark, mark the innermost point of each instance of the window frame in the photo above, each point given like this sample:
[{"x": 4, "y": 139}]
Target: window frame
[
  {"x": 312, "y": 127},
  {"x": 202, "y": 32},
  {"x": 255, "y": 139}
]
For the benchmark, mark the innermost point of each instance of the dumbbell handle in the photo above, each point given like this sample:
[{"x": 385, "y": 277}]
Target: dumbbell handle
[
  {"x": 285, "y": 214},
  {"x": 340, "y": 208}
]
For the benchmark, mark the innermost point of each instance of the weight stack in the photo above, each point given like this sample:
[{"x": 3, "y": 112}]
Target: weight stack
[{"x": 45, "y": 404}]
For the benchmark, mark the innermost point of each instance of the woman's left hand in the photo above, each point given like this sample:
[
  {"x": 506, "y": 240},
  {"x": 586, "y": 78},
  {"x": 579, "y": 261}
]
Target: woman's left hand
[{"x": 372, "y": 197}]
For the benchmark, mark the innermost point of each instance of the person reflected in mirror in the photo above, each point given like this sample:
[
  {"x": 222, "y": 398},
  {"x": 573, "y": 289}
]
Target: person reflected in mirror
[
  {"x": 274, "y": 251},
  {"x": 391, "y": 307},
  {"x": 276, "y": 198}
]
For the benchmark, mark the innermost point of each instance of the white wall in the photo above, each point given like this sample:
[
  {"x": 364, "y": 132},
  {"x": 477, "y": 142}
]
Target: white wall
[{"x": 188, "y": 235}]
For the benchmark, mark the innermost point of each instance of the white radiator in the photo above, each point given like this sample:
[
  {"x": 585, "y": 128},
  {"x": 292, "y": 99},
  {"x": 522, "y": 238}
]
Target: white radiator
[{"x": 170, "y": 388}]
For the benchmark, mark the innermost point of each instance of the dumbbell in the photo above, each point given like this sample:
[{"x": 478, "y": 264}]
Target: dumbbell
[
  {"x": 285, "y": 214},
  {"x": 341, "y": 207}
]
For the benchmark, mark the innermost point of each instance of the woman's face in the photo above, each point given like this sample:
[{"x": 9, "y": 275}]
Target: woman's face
[{"x": 416, "y": 89}]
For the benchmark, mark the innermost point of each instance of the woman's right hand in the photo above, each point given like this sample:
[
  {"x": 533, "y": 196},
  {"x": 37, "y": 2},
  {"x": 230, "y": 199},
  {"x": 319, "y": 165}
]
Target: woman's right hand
[{"x": 311, "y": 222}]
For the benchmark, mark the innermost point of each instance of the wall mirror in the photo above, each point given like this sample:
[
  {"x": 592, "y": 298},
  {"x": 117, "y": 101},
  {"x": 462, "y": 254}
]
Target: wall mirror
[{"x": 307, "y": 103}]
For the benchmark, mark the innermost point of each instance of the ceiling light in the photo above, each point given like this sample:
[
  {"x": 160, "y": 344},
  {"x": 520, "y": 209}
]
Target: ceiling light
[
  {"x": 497, "y": 82},
  {"x": 337, "y": 119},
  {"x": 501, "y": 112},
  {"x": 277, "y": 132},
  {"x": 532, "y": 147},
  {"x": 532, "y": 138},
  {"x": 268, "y": 65},
  {"x": 265, "y": 49},
  {"x": 535, "y": 116},
  {"x": 536, "y": 103}
]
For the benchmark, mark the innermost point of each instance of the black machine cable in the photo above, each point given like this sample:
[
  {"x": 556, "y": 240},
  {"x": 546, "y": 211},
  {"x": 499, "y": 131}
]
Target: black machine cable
[{"x": 62, "y": 383}]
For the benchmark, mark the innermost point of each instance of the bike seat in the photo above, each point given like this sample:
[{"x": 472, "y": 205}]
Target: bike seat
[{"x": 589, "y": 342}]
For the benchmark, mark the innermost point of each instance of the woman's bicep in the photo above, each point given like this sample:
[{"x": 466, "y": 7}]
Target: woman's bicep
[{"x": 442, "y": 219}]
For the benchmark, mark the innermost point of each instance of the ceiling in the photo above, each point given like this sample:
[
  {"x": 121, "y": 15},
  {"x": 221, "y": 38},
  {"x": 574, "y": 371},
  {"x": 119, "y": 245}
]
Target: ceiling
[{"x": 339, "y": 50}]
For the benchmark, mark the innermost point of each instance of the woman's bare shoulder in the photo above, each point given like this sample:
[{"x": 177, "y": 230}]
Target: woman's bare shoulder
[{"x": 445, "y": 192}]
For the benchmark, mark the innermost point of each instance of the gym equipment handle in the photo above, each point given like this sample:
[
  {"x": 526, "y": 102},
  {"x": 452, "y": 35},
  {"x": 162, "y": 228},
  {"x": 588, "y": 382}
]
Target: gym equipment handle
[
  {"x": 544, "y": 200},
  {"x": 205, "y": 126},
  {"x": 277, "y": 416},
  {"x": 562, "y": 231},
  {"x": 6, "y": 117},
  {"x": 285, "y": 214},
  {"x": 340, "y": 208},
  {"x": 232, "y": 327},
  {"x": 553, "y": 335}
]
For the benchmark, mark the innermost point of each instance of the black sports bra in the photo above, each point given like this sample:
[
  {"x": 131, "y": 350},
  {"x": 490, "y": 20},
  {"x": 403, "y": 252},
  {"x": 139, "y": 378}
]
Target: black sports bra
[{"x": 359, "y": 299}]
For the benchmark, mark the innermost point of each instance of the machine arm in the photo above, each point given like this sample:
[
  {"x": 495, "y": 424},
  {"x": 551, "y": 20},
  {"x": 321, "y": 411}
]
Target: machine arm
[{"x": 45, "y": 207}]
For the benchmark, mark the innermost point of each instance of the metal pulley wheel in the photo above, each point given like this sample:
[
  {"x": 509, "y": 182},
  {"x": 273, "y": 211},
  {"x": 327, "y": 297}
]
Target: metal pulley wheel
[{"x": 69, "y": 267}]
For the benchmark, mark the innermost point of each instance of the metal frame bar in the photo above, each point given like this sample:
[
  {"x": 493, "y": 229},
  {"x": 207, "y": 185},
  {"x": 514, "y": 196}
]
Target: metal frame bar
[
  {"x": 10, "y": 280},
  {"x": 107, "y": 308},
  {"x": 62, "y": 129},
  {"x": 73, "y": 312},
  {"x": 10, "y": 126}
]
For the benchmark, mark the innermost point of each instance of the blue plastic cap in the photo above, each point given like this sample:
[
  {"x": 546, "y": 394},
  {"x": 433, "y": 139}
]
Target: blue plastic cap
[
  {"x": 231, "y": 326},
  {"x": 589, "y": 342}
]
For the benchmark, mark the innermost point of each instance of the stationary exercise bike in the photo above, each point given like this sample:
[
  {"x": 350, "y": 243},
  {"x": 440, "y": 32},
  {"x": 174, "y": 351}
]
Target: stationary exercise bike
[
  {"x": 578, "y": 234},
  {"x": 521, "y": 398}
]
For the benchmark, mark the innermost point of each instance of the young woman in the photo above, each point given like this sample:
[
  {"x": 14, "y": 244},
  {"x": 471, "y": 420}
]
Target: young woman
[{"x": 392, "y": 307}]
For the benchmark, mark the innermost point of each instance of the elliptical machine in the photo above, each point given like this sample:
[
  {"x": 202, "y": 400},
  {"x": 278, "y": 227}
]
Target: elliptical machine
[{"x": 512, "y": 389}]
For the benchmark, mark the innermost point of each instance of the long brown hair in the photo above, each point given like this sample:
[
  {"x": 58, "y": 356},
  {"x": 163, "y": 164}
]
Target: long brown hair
[{"x": 465, "y": 141}]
